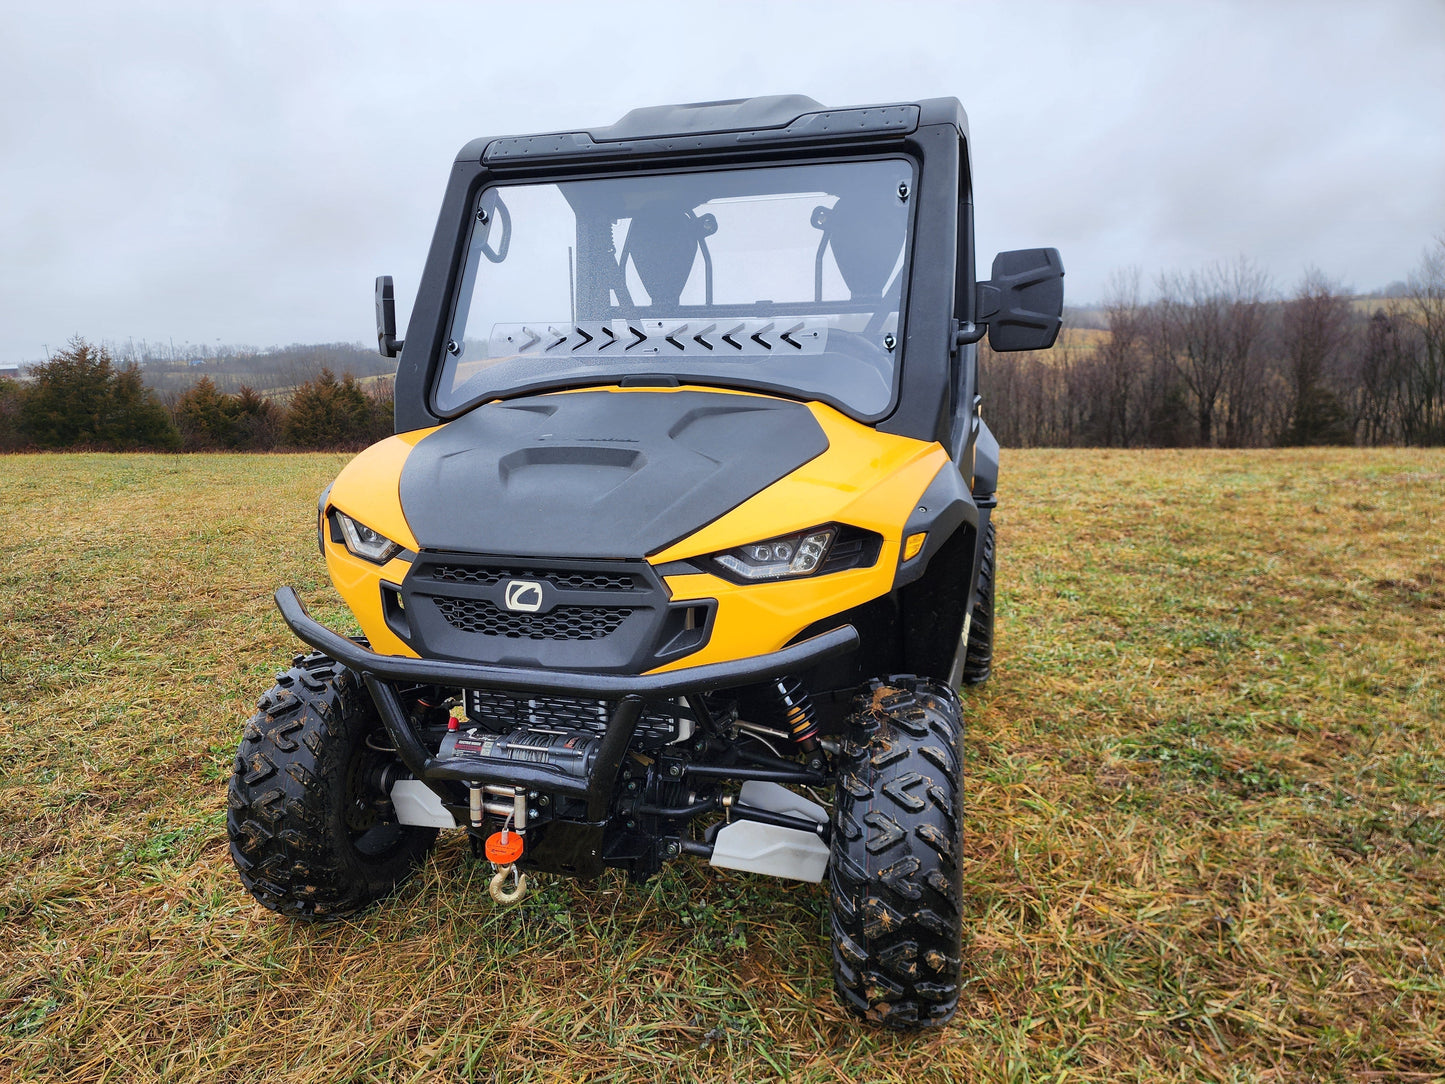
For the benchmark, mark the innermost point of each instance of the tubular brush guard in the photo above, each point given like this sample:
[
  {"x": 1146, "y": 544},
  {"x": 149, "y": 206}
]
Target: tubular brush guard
[{"x": 629, "y": 693}]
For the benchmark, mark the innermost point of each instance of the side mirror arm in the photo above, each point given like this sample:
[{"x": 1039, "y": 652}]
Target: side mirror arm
[
  {"x": 988, "y": 300},
  {"x": 964, "y": 334}
]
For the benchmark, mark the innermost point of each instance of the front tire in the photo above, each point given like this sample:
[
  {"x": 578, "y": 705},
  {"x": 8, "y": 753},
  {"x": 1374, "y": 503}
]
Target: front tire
[
  {"x": 302, "y": 810},
  {"x": 896, "y": 874}
]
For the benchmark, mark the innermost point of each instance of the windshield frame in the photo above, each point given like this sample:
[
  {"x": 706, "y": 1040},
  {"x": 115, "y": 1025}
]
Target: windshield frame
[{"x": 464, "y": 284}]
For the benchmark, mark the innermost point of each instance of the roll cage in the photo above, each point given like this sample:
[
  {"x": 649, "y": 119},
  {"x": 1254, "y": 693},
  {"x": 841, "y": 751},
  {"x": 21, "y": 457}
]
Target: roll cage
[{"x": 936, "y": 382}]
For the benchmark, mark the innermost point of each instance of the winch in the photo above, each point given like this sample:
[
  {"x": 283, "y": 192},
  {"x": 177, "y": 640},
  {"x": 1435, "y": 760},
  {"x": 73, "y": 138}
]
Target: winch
[{"x": 567, "y": 751}]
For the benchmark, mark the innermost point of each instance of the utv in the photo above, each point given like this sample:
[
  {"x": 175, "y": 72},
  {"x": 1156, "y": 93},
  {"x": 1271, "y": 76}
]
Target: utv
[{"x": 683, "y": 542}]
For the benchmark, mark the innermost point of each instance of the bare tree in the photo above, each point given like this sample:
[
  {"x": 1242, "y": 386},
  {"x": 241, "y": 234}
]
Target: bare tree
[
  {"x": 1123, "y": 356},
  {"x": 1025, "y": 397},
  {"x": 1380, "y": 371},
  {"x": 1216, "y": 360},
  {"x": 1314, "y": 325},
  {"x": 1209, "y": 325},
  {"x": 1187, "y": 334},
  {"x": 1424, "y": 392},
  {"x": 1246, "y": 291}
]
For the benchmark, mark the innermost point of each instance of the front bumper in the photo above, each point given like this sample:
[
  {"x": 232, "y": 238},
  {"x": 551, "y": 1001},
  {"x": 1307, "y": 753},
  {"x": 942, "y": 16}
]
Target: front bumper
[{"x": 628, "y": 692}]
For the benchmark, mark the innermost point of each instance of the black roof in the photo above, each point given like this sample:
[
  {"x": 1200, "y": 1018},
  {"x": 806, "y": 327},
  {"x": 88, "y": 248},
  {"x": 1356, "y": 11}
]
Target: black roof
[
  {"x": 732, "y": 115},
  {"x": 717, "y": 125}
]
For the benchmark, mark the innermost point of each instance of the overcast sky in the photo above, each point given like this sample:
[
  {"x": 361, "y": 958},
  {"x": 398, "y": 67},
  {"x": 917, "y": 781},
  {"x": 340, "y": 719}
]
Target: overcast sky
[{"x": 240, "y": 172}]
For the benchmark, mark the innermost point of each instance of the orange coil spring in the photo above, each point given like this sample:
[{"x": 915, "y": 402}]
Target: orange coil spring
[{"x": 797, "y": 709}]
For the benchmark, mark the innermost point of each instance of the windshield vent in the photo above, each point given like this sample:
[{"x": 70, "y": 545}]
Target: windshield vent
[{"x": 670, "y": 338}]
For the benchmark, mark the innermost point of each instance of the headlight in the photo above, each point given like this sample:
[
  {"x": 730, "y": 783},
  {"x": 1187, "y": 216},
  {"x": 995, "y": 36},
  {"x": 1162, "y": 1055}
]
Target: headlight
[
  {"x": 780, "y": 558},
  {"x": 363, "y": 541}
]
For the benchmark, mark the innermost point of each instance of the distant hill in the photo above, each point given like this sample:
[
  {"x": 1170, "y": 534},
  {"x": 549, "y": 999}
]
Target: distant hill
[
  {"x": 274, "y": 370},
  {"x": 1084, "y": 316}
]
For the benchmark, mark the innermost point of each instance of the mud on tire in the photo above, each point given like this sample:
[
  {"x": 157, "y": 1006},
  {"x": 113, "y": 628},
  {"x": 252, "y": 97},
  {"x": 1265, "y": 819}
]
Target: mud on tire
[
  {"x": 304, "y": 836},
  {"x": 895, "y": 873}
]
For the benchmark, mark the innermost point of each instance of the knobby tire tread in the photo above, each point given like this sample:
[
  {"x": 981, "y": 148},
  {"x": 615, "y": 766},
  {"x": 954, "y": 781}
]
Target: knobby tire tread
[
  {"x": 286, "y": 815},
  {"x": 896, "y": 874}
]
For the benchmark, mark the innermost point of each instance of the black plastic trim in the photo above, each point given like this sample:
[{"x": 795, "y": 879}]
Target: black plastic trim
[
  {"x": 678, "y": 568},
  {"x": 925, "y": 395},
  {"x": 643, "y": 623},
  {"x": 320, "y": 516},
  {"x": 393, "y": 611},
  {"x": 692, "y": 679},
  {"x": 599, "y": 475},
  {"x": 985, "y": 461},
  {"x": 827, "y": 126},
  {"x": 944, "y": 506}
]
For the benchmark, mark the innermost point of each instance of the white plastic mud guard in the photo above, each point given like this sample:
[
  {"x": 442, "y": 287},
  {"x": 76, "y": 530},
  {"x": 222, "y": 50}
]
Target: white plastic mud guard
[
  {"x": 417, "y": 804},
  {"x": 767, "y": 848}
]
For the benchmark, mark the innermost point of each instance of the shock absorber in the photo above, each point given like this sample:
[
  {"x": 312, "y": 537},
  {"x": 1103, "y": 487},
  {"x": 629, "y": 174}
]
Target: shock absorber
[{"x": 797, "y": 707}]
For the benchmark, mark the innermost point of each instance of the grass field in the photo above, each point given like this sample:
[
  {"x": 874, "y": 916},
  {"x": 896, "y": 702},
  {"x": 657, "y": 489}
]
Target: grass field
[{"x": 1207, "y": 810}]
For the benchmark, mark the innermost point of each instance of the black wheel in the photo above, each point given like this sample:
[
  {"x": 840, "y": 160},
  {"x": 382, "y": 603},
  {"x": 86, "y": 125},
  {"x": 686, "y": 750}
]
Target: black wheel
[
  {"x": 978, "y": 654},
  {"x": 305, "y": 797},
  {"x": 895, "y": 873}
]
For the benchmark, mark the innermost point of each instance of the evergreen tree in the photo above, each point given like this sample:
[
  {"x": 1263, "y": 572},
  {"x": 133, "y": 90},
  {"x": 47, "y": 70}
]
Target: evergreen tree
[
  {"x": 66, "y": 403},
  {"x": 382, "y": 394},
  {"x": 78, "y": 397},
  {"x": 136, "y": 418},
  {"x": 207, "y": 418},
  {"x": 327, "y": 413},
  {"x": 10, "y": 435},
  {"x": 258, "y": 421},
  {"x": 1319, "y": 418}
]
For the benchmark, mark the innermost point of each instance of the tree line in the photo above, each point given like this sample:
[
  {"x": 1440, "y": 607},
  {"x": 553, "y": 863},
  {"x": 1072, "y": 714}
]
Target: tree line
[
  {"x": 81, "y": 398},
  {"x": 1216, "y": 359},
  {"x": 173, "y": 368}
]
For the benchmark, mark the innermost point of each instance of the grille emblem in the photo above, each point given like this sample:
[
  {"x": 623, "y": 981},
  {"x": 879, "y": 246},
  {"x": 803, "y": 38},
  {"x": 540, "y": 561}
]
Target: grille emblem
[{"x": 524, "y": 596}]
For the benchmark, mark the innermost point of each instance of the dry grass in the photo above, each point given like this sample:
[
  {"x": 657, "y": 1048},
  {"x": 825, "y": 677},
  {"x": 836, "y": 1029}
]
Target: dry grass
[
  {"x": 1082, "y": 339},
  {"x": 1204, "y": 839}
]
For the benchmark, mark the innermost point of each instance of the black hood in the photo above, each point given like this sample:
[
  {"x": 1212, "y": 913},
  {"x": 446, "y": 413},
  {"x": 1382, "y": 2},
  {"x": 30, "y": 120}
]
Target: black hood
[{"x": 598, "y": 474}]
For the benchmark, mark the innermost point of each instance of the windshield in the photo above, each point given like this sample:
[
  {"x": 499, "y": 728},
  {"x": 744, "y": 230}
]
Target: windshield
[{"x": 780, "y": 278}]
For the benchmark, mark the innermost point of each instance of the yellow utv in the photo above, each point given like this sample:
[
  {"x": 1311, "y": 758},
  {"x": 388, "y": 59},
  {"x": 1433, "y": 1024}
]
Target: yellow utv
[{"x": 682, "y": 546}]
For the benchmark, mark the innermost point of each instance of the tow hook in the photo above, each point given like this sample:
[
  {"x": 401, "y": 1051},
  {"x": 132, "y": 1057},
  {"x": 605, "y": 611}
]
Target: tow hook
[
  {"x": 503, "y": 849},
  {"x": 519, "y": 885}
]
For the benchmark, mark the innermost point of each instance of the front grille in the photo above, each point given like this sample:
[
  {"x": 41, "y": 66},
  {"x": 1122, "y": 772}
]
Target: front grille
[
  {"x": 490, "y": 575},
  {"x": 599, "y": 616},
  {"x": 562, "y": 623},
  {"x": 500, "y": 712}
]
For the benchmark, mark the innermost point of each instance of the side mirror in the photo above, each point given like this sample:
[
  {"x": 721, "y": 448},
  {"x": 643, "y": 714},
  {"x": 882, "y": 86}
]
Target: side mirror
[
  {"x": 386, "y": 341},
  {"x": 1023, "y": 303}
]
